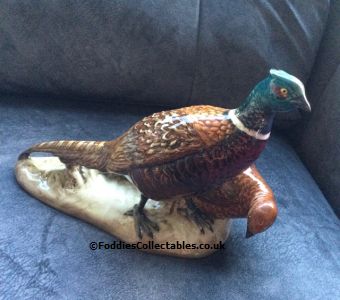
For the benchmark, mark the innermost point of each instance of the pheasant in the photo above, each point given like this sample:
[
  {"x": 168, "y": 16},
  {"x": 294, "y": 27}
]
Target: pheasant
[{"x": 186, "y": 151}]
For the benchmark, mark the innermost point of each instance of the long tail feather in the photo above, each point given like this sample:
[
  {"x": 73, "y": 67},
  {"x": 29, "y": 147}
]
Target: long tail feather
[{"x": 85, "y": 153}]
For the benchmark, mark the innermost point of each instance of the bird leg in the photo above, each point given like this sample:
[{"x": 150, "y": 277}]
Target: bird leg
[
  {"x": 142, "y": 223},
  {"x": 193, "y": 213}
]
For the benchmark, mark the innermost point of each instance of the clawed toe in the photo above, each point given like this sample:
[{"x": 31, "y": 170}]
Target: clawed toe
[
  {"x": 142, "y": 223},
  {"x": 194, "y": 214},
  {"x": 203, "y": 221}
]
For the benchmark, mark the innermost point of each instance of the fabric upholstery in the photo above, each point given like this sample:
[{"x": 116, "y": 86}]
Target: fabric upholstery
[
  {"x": 44, "y": 254},
  {"x": 328, "y": 58},
  {"x": 320, "y": 143},
  {"x": 156, "y": 52},
  {"x": 317, "y": 139}
]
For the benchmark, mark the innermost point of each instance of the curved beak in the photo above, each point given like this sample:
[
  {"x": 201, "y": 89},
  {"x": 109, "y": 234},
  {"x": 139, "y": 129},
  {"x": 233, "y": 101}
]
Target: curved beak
[{"x": 303, "y": 103}]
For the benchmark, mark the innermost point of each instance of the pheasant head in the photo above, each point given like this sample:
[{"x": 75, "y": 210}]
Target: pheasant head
[{"x": 279, "y": 92}]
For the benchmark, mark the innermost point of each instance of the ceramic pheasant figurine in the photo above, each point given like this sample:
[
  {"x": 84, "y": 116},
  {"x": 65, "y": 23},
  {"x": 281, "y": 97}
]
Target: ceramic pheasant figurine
[{"x": 188, "y": 151}]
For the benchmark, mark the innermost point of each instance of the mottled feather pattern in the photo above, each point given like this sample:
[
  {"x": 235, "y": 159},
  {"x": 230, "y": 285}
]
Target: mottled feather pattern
[
  {"x": 199, "y": 171},
  {"x": 169, "y": 135},
  {"x": 170, "y": 153}
]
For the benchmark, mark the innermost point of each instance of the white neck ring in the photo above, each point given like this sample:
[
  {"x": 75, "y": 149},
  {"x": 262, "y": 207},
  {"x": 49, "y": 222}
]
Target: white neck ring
[{"x": 238, "y": 123}]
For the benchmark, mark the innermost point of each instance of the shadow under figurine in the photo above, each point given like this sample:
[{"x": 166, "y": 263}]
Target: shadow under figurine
[{"x": 202, "y": 154}]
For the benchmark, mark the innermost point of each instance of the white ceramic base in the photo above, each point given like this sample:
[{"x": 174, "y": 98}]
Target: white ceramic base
[{"x": 102, "y": 201}]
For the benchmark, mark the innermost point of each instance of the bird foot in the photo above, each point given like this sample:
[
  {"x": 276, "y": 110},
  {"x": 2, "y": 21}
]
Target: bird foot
[
  {"x": 142, "y": 223},
  {"x": 194, "y": 214}
]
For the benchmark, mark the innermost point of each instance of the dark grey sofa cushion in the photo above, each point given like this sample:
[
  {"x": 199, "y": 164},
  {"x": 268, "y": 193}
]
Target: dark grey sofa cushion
[
  {"x": 318, "y": 139},
  {"x": 319, "y": 145},
  {"x": 44, "y": 254},
  {"x": 328, "y": 57},
  {"x": 156, "y": 52}
]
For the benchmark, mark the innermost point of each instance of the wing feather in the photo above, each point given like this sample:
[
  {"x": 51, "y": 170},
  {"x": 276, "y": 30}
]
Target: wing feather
[{"x": 169, "y": 135}]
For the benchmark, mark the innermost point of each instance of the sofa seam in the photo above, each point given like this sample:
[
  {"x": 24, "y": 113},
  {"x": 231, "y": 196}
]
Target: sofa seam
[
  {"x": 318, "y": 51},
  {"x": 197, "y": 42}
]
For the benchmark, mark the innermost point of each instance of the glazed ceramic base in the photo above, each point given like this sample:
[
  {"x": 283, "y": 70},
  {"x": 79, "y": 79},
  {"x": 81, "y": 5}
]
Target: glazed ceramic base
[{"x": 102, "y": 201}]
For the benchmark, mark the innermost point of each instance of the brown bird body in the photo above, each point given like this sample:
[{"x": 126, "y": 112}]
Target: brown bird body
[
  {"x": 188, "y": 152},
  {"x": 178, "y": 152}
]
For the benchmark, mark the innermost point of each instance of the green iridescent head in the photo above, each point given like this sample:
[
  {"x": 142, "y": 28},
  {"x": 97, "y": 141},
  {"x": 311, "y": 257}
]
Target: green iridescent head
[{"x": 281, "y": 92}]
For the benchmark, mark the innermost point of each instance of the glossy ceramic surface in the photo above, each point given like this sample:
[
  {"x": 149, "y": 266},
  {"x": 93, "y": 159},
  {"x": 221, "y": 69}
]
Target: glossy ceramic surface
[
  {"x": 103, "y": 200},
  {"x": 193, "y": 152}
]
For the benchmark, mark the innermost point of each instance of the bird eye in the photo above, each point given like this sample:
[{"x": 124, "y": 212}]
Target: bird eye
[{"x": 283, "y": 92}]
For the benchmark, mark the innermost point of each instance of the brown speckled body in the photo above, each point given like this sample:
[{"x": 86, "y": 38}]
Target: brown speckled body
[
  {"x": 196, "y": 172},
  {"x": 185, "y": 151},
  {"x": 196, "y": 152}
]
